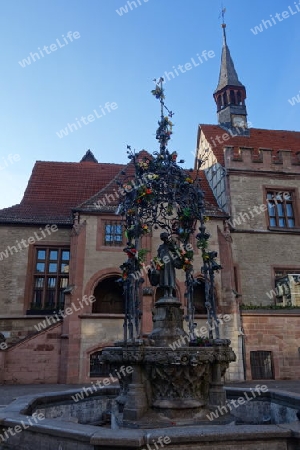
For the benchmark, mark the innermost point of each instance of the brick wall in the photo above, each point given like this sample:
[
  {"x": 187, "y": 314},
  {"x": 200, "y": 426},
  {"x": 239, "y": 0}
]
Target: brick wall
[
  {"x": 35, "y": 360},
  {"x": 278, "y": 333}
]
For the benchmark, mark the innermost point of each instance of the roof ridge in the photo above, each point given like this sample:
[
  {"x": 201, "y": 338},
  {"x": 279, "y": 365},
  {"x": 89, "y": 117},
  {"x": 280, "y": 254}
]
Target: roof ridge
[{"x": 78, "y": 163}]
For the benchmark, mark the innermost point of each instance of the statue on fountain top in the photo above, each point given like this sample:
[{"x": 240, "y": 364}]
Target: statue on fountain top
[{"x": 170, "y": 260}]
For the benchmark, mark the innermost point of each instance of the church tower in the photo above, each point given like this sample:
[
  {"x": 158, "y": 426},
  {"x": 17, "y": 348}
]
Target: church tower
[{"x": 230, "y": 95}]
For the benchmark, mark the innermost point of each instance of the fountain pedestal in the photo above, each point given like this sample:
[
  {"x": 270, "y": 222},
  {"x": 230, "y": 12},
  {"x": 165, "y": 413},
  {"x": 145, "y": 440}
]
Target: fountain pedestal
[
  {"x": 167, "y": 322},
  {"x": 136, "y": 403},
  {"x": 168, "y": 375}
]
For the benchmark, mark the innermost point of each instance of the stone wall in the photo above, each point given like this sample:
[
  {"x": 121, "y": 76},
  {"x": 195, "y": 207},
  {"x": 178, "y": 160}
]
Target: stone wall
[
  {"x": 98, "y": 262},
  {"x": 35, "y": 360},
  {"x": 277, "y": 332},
  {"x": 83, "y": 332},
  {"x": 96, "y": 333},
  {"x": 248, "y": 191},
  {"x": 256, "y": 249},
  {"x": 14, "y": 266},
  {"x": 16, "y": 328},
  {"x": 256, "y": 255}
]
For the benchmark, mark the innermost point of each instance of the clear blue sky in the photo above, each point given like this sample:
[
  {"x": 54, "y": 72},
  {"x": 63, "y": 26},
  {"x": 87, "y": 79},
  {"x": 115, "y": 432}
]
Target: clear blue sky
[{"x": 116, "y": 58}]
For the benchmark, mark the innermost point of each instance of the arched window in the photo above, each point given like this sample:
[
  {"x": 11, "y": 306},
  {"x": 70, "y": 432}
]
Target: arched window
[
  {"x": 199, "y": 297},
  {"x": 225, "y": 102},
  {"x": 109, "y": 297},
  {"x": 232, "y": 97},
  {"x": 239, "y": 98},
  {"x": 219, "y": 102}
]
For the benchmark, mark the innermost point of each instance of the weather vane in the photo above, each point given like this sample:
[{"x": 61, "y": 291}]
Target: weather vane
[
  {"x": 164, "y": 131},
  {"x": 223, "y": 12}
]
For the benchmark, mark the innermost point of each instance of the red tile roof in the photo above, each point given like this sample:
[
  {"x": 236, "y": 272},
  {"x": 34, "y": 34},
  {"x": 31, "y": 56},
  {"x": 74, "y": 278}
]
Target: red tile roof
[
  {"x": 56, "y": 189},
  {"x": 259, "y": 138}
]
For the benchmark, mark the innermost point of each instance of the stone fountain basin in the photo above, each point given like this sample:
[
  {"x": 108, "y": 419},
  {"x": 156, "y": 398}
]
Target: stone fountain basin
[{"x": 58, "y": 430}]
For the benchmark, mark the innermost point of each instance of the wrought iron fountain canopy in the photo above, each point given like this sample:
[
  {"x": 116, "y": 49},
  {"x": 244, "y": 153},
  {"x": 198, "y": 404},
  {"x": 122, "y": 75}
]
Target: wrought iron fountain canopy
[{"x": 158, "y": 193}]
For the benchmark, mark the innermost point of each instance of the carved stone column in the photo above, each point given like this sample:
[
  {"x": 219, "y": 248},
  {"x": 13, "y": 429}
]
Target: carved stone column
[
  {"x": 167, "y": 322},
  {"x": 136, "y": 401}
]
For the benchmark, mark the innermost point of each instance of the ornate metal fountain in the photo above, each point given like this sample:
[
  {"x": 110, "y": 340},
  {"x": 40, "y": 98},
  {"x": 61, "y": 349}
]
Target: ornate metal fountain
[{"x": 178, "y": 380}]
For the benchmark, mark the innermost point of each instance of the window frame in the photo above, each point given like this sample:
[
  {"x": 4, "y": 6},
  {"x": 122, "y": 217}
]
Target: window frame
[
  {"x": 294, "y": 201},
  {"x": 114, "y": 242},
  {"x": 100, "y": 236},
  {"x": 33, "y": 274},
  {"x": 104, "y": 369}
]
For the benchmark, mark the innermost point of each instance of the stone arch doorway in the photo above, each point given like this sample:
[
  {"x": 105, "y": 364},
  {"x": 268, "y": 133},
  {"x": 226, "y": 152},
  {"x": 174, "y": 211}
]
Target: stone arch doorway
[{"x": 109, "y": 297}]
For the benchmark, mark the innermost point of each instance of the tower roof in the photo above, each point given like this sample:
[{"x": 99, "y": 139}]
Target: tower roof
[
  {"x": 228, "y": 75},
  {"x": 89, "y": 157}
]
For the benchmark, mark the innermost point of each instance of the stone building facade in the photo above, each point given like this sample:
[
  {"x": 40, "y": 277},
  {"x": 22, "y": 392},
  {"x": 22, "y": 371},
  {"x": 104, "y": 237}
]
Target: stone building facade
[
  {"x": 255, "y": 177},
  {"x": 61, "y": 250}
]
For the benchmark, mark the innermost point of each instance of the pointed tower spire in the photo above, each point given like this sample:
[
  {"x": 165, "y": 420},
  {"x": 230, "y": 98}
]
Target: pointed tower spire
[
  {"x": 88, "y": 157},
  {"x": 230, "y": 94},
  {"x": 228, "y": 74}
]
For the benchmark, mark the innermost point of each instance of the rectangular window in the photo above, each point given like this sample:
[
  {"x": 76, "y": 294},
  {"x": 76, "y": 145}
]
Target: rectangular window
[
  {"x": 51, "y": 277},
  {"x": 287, "y": 287},
  {"x": 281, "y": 208},
  {"x": 261, "y": 363},
  {"x": 98, "y": 368},
  {"x": 113, "y": 233}
]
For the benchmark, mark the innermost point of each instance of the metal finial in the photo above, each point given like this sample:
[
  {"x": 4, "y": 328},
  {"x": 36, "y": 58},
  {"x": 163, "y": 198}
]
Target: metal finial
[
  {"x": 164, "y": 131},
  {"x": 223, "y": 11}
]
